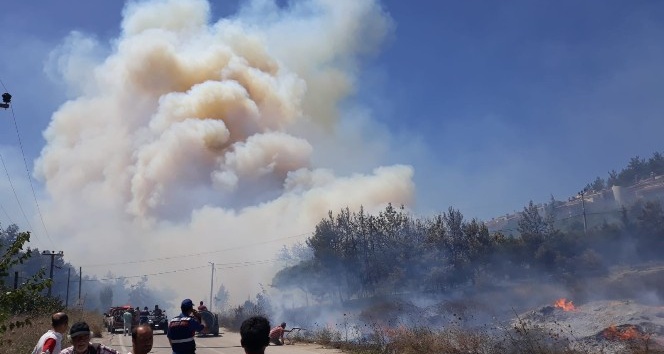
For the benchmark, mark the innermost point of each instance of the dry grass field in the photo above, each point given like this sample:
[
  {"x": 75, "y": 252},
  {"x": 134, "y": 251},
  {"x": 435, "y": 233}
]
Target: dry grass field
[{"x": 23, "y": 339}]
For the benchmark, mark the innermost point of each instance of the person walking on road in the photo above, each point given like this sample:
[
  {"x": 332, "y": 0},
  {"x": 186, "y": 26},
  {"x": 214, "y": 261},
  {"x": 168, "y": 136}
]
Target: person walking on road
[
  {"x": 51, "y": 341},
  {"x": 80, "y": 338},
  {"x": 127, "y": 317},
  {"x": 183, "y": 327},
  {"x": 141, "y": 340},
  {"x": 255, "y": 335},
  {"x": 277, "y": 334}
]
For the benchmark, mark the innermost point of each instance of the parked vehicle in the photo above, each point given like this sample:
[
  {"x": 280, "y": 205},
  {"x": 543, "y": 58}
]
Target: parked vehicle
[
  {"x": 157, "y": 321},
  {"x": 113, "y": 318},
  {"x": 211, "y": 320}
]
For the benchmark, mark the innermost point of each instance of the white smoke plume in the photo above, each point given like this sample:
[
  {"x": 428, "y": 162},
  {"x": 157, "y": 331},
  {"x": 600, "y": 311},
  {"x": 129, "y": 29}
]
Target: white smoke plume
[{"x": 189, "y": 136}]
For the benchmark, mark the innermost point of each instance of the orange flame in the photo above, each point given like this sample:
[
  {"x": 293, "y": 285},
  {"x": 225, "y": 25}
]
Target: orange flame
[
  {"x": 564, "y": 304},
  {"x": 628, "y": 332}
]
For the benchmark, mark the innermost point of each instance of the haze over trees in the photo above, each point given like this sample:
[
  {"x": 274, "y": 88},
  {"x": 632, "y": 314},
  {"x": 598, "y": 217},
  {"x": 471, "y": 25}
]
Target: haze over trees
[
  {"x": 636, "y": 169},
  {"x": 96, "y": 294},
  {"x": 21, "y": 298},
  {"x": 354, "y": 255},
  {"x": 360, "y": 255}
]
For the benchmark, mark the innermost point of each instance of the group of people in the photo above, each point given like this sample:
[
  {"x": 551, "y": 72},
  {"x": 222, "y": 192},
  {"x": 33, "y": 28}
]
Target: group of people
[
  {"x": 130, "y": 313},
  {"x": 255, "y": 334},
  {"x": 80, "y": 334}
]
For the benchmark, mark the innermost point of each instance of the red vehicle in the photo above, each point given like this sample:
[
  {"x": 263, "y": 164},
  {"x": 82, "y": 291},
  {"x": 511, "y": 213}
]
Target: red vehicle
[{"x": 113, "y": 318}]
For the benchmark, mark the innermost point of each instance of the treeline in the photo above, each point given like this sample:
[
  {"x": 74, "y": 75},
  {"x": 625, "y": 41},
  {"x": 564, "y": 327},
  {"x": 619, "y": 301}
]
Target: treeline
[
  {"x": 21, "y": 301},
  {"x": 357, "y": 255},
  {"x": 636, "y": 169},
  {"x": 95, "y": 294}
]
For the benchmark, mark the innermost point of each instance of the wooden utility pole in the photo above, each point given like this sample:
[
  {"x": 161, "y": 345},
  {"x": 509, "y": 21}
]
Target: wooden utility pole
[
  {"x": 583, "y": 207},
  {"x": 211, "y": 285},
  {"x": 67, "y": 297},
  {"x": 52, "y": 255},
  {"x": 80, "y": 281}
]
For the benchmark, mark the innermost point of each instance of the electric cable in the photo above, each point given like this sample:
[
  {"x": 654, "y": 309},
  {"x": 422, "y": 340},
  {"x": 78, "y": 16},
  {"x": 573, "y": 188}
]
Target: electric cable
[
  {"x": 223, "y": 266},
  {"x": 27, "y": 170},
  {"x": 15, "y": 194},
  {"x": 7, "y": 215},
  {"x": 192, "y": 254}
]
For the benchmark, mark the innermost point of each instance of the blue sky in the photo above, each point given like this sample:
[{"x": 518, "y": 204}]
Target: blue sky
[
  {"x": 505, "y": 102},
  {"x": 490, "y": 103}
]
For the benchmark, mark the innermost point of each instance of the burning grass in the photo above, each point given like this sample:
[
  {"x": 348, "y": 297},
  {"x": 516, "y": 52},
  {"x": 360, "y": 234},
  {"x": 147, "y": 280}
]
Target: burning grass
[
  {"x": 564, "y": 305},
  {"x": 522, "y": 338},
  {"x": 555, "y": 329},
  {"x": 23, "y": 340},
  {"x": 423, "y": 340}
]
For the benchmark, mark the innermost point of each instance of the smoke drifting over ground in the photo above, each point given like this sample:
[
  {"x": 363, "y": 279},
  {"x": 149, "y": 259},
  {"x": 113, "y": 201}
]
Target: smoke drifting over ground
[{"x": 194, "y": 136}]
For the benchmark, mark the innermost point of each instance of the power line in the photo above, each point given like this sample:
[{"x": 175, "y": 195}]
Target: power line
[
  {"x": 7, "y": 215},
  {"x": 192, "y": 254},
  {"x": 145, "y": 275},
  {"x": 27, "y": 171},
  {"x": 244, "y": 264},
  {"x": 571, "y": 217},
  {"x": 15, "y": 194},
  {"x": 217, "y": 266}
]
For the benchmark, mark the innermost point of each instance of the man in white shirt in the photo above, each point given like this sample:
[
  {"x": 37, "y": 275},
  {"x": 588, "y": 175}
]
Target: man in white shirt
[{"x": 51, "y": 341}]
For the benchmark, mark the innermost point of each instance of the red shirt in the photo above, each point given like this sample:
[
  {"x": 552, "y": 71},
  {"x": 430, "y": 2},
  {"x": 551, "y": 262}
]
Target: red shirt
[{"x": 277, "y": 332}]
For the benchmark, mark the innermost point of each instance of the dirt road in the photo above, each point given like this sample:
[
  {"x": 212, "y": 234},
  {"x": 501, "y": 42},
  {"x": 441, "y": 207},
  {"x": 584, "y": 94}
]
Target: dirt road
[{"x": 226, "y": 343}]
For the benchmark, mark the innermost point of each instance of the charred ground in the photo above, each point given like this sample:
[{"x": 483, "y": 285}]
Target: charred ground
[{"x": 392, "y": 269}]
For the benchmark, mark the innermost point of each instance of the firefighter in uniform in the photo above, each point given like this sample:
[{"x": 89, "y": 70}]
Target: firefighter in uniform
[{"x": 183, "y": 327}]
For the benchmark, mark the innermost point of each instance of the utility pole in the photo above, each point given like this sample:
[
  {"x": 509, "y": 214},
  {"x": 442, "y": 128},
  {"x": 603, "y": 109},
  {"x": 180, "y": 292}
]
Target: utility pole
[
  {"x": 52, "y": 255},
  {"x": 583, "y": 206},
  {"x": 68, "y": 276},
  {"x": 80, "y": 281},
  {"x": 211, "y": 285}
]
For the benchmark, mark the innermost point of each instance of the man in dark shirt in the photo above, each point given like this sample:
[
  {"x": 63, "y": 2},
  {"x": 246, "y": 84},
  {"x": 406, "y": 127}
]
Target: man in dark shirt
[
  {"x": 144, "y": 315},
  {"x": 157, "y": 311},
  {"x": 182, "y": 328}
]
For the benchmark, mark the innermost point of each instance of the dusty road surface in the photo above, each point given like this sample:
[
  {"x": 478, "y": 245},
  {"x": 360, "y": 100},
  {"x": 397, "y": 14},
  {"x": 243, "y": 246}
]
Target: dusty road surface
[{"x": 226, "y": 343}]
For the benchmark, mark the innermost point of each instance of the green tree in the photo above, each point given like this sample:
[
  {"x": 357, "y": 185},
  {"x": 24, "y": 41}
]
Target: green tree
[
  {"x": 656, "y": 163},
  {"x": 26, "y": 299},
  {"x": 613, "y": 179},
  {"x": 534, "y": 230},
  {"x": 106, "y": 297},
  {"x": 221, "y": 298},
  {"x": 598, "y": 185}
]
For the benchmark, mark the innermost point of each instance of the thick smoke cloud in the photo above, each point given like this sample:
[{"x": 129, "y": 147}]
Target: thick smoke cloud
[{"x": 188, "y": 136}]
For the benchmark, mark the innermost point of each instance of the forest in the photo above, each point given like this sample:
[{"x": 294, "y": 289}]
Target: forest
[{"x": 355, "y": 255}]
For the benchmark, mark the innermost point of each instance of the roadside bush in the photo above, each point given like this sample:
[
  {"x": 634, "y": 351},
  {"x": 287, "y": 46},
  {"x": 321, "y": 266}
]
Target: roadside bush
[{"x": 233, "y": 318}]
